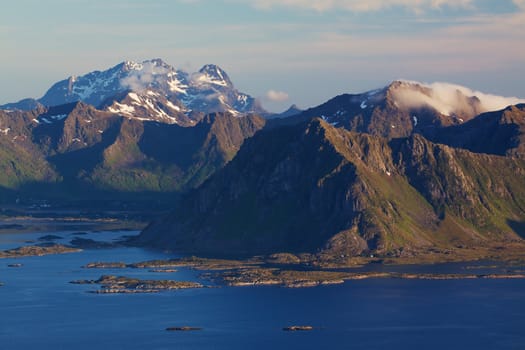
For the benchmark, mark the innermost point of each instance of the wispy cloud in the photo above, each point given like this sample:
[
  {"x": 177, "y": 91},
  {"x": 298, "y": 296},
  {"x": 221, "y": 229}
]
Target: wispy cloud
[
  {"x": 520, "y": 4},
  {"x": 361, "y": 5},
  {"x": 139, "y": 80},
  {"x": 276, "y": 96}
]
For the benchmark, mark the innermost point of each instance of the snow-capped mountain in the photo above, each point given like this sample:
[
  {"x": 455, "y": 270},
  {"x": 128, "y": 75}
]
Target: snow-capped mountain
[
  {"x": 210, "y": 89},
  {"x": 150, "y": 85}
]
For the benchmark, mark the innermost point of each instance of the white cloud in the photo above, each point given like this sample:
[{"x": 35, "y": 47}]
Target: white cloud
[
  {"x": 449, "y": 98},
  {"x": 140, "y": 79},
  {"x": 276, "y": 96},
  {"x": 361, "y": 5}
]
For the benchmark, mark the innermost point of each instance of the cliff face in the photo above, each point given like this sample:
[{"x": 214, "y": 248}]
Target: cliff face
[{"x": 313, "y": 188}]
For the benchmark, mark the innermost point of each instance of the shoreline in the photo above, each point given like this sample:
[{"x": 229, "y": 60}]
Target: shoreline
[{"x": 281, "y": 269}]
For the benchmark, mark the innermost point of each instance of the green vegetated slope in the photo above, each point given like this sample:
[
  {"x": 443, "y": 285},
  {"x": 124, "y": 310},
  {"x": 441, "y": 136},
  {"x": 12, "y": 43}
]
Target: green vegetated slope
[
  {"x": 167, "y": 157},
  {"x": 20, "y": 160},
  {"x": 77, "y": 151},
  {"x": 315, "y": 188}
]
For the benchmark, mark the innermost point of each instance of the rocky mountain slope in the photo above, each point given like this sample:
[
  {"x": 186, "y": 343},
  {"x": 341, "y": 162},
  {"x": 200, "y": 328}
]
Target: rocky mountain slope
[
  {"x": 499, "y": 132},
  {"x": 403, "y": 108},
  {"x": 405, "y": 171},
  {"x": 76, "y": 150},
  {"x": 315, "y": 188}
]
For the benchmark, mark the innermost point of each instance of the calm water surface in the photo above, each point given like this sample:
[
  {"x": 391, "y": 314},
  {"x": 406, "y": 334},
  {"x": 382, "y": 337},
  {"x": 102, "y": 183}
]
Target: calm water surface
[{"x": 40, "y": 309}]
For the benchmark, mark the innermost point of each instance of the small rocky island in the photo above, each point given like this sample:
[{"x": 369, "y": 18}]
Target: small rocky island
[
  {"x": 298, "y": 328},
  {"x": 15, "y": 265},
  {"x": 183, "y": 329},
  {"x": 110, "y": 284},
  {"x": 37, "y": 251},
  {"x": 265, "y": 272},
  {"x": 191, "y": 261}
]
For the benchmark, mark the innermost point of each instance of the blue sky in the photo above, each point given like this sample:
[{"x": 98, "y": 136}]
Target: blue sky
[{"x": 305, "y": 51}]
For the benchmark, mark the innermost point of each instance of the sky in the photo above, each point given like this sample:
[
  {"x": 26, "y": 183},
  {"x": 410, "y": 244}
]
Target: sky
[{"x": 281, "y": 51}]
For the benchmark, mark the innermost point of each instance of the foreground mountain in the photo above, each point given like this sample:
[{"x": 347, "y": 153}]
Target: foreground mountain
[
  {"x": 77, "y": 151},
  {"x": 207, "y": 91},
  {"x": 314, "y": 188}
]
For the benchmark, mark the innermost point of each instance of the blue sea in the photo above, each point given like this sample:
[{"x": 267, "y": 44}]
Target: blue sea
[{"x": 40, "y": 309}]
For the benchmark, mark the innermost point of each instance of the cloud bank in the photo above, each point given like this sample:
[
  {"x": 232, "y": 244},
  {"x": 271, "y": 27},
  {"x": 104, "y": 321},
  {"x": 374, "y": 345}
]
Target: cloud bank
[{"x": 449, "y": 99}]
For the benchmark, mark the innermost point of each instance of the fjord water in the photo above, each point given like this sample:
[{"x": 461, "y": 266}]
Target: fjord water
[{"x": 40, "y": 309}]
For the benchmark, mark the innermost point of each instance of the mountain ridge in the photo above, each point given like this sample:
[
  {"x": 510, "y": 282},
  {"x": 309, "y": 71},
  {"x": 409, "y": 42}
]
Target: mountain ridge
[
  {"x": 83, "y": 151},
  {"x": 402, "y": 108},
  {"x": 313, "y": 188}
]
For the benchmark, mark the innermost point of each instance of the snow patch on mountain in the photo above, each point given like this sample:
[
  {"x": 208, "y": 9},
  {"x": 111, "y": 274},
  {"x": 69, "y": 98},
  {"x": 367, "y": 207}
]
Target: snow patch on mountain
[
  {"x": 149, "y": 105},
  {"x": 172, "y": 106},
  {"x": 123, "y": 109},
  {"x": 199, "y": 79},
  {"x": 211, "y": 74}
]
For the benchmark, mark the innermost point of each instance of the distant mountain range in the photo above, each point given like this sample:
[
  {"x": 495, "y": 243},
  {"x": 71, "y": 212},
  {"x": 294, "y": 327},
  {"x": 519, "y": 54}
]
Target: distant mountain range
[
  {"x": 401, "y": 171},
  {"x": 151, "y": 90}
]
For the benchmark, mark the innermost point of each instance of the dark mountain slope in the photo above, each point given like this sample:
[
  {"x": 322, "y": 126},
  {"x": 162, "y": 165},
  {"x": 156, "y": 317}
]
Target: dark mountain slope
[
  {"x": 163, "y": 157},
  {"x": 499, "y": 132},
  {"x": 318, "y": 189}
]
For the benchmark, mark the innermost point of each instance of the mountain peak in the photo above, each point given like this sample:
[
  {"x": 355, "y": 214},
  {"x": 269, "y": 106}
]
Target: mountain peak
[
  {"x": 154, "y": 66},
  {"x": 446, "y": 98},
  {"x": 213, "y": 74},
  {"x": 293, "y": 110},
  {"x": 213, "y": 70},
  {"x": 131, "y": 66}
]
